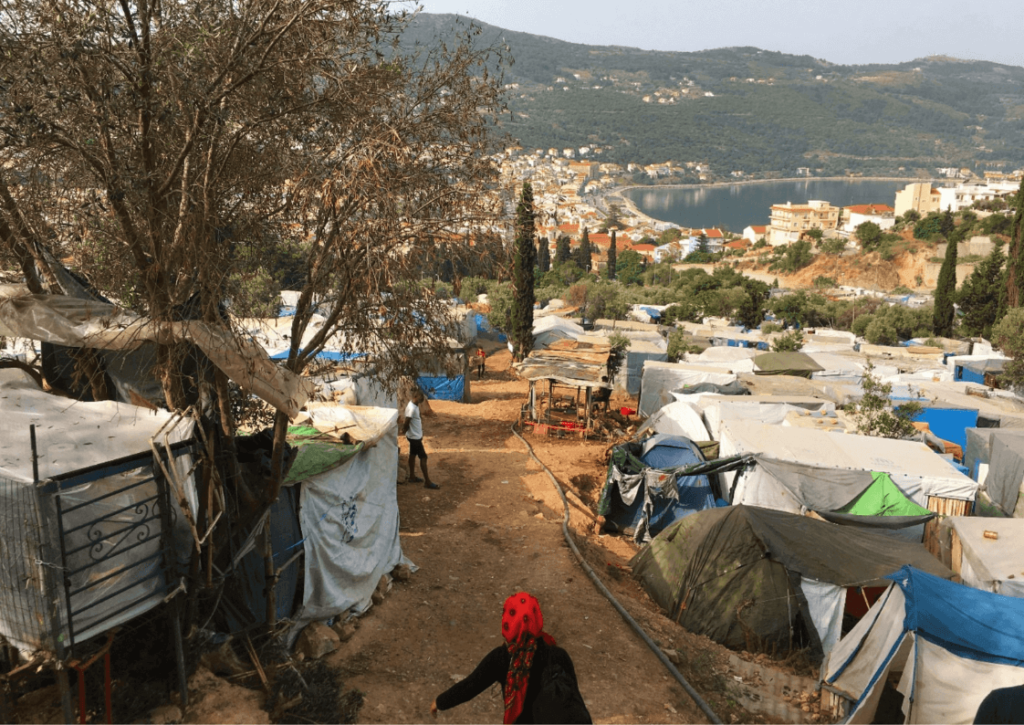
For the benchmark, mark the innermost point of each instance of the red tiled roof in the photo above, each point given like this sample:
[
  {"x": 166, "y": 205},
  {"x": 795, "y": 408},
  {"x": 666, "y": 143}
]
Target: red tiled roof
[
  {"x": 759, "y": 230},
  {"x": 738, "y": 244},
  {"x": 569, "y": 229},
  {"x": 869, "y": 209},
  {"x": 643, "y": 247},
  {"x": 713, "y": 233}
]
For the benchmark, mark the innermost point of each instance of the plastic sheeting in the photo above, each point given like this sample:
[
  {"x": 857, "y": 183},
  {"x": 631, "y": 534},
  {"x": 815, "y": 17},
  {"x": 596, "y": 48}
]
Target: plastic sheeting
[
  {"x": 74, "y": 322},
  {"x": 436, "y": 388},
  {"x": 349, "y": 517},
  {"x": 677, "y": 419},
  {"x": 993, "y": 565},
  {"x": 949, "y": 424},
  {"x": 661, "y": 378},
  {"x": 71, "y": 436},
  {"x": 1006, "y": 470},
  {"x": 826, "y": 603},
  {"x": 954, "y": 644}
]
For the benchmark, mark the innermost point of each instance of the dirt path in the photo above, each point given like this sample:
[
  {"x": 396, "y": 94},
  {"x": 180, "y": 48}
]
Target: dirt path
[{"x": 494, "y": 528}]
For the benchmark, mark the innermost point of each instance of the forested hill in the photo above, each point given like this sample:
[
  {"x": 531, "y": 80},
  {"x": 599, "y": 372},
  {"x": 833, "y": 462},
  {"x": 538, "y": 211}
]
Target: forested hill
[{"x": 768, "y": 112}]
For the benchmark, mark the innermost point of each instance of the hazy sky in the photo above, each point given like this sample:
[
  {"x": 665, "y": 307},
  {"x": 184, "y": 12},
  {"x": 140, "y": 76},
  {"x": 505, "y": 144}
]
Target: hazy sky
[{"x": 839, "y": 31}]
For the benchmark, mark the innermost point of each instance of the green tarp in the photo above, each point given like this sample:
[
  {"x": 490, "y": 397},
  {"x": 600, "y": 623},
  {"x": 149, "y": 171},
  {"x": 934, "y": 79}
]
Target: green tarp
[
  {"x": 882, "y": 498},
  {"x": 316, "y": 453},
  {"x": 786, "y": 363}
]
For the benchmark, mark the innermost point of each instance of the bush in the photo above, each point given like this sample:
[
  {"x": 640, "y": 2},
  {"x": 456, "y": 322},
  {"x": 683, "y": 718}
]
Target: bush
[
  {"x": 790, "y": 342},
  {"x": 823, "y": 282},
  {"x": 795, "y": 257},
  {"x": 680, "y": 343},
  {"x": 769, "y": 327},
  {"x": 875, "y": 415},
  {"x": 1008, "y": 335}
]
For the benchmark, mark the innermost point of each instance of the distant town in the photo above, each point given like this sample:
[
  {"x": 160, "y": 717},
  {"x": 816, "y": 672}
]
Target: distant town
[{"x": 574, "y": 190}]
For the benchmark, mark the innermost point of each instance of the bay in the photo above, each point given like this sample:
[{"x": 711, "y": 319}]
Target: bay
[{"x": 735, "y": 206}]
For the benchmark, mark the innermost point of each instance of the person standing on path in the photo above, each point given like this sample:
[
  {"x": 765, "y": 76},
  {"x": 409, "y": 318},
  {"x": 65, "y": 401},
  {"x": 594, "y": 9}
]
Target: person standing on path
[
  {"x": 413, "y": 430},
  {"x": 537, "y": 677},
  {"x": 481, "y": 358}
]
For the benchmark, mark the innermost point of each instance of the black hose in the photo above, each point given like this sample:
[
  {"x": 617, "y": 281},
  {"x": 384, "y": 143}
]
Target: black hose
[{"x": 611, "y": 597}]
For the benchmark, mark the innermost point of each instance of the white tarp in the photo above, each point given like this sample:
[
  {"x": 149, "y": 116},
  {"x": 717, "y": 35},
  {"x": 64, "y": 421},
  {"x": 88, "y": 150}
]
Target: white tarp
[
  {"x": 678, "y": 419},
  {"x": 349, "y": 517},
  {"x": 74, "y": 322},
  {"x": 723, "y": 354},
  {"x": 826, "y": 603},
  {"x": 770, "y": 410},
  {"x": 552, "y": 328},
  {"x": 994, "y": 565},
  {"x": 661, "y": 378},
  {"x": 915, "y": 469},
  {"x": 72, "y": 435}
]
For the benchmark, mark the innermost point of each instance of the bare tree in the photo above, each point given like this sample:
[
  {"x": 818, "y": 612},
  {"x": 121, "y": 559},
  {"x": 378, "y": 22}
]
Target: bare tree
[{"x": 159, "y": 148}]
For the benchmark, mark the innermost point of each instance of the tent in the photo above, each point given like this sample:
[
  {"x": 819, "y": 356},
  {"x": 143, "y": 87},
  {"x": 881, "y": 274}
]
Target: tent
[
  {"x": 953, "y": 645},
  {"x": 1006, "y": 470},
  {"x": 947, "y": 422},
  {"x": 96, "y": 515},
  {"x": 348, "y": 511},
  {"x": 642, "y": 494},
  {"x": 843, "y": 460},
  {"x": 973, "y": 368},
  {"x": 659, "y": 379},
  {"x": 637, "y": 355},
  {"x": 984, "y": 561},
  {"x": 771, "y": 409},
  {"x": 552, "y": 328},
  {"x": 677, "y": 419},
  {"x": 786, "y": 363},
  {"x": 744, "y": 576}
]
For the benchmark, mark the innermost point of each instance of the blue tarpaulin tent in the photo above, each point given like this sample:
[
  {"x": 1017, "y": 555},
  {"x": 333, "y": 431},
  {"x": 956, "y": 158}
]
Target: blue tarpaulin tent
[
  {"x": 440, "y": 388},
  {"x": 949, "y": 424},
  {"x": 643, "y": 496},
  {"x": 953, "y": 643},
  {"x": 325, "y": 355}
]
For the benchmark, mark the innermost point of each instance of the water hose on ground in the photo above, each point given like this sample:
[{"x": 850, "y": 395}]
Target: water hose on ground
[{"x": 611, "y": 597}]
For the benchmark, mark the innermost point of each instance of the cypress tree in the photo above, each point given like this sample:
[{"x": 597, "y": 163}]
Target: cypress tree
[
  {"x": 583, "y": 252},
  {"x": 980, "y": 295},
  {"x": 563, "y": 250},
  {"x": 612, "y": 252},
  {"x": 1015, "y": 257},
  {"x": 946, "y": 223},
  {"x": 523, "y": 260},
  {"x": 945, "y": 293},
  {"x": 543, "y": 256}
]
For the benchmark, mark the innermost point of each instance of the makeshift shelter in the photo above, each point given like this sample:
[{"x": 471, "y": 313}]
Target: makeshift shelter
[
  {"x": 952, "y": 644},
  {"x": 974, "y": 368},
  {"x": 348, "y": 511},
  {"x": 744, "y": 576},
  {"x": 786, "y": 363},
  {"x": 636, "y": 356},
  {"x": 677, "y": 419},
  {"x": 922, "y": 476},
  {"x": 95, "y": 505},
  {"x": 770, "y": 409},
  {"x": 446, "y": 379},
  {"x": 550, "y": 329},
  {"x": 947, "y": 422},
  {"x": 643, "y": 493},
  {"x": 573, "y": 370},
  {"x": 1005, "y": 476},
  {"x": 985, "y": 552},
  {"x": 660, "y": 379}
]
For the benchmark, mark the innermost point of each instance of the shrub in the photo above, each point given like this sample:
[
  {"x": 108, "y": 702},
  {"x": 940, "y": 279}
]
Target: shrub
[
  {"x": 875, "y": 415},
  {"x": 790, "y": 342},
  {"x": 680, "y": 343},
  {"x": 823, "y": 282}
]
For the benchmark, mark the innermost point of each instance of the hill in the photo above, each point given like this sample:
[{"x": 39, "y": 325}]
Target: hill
[{"x": 754, "y": 110}]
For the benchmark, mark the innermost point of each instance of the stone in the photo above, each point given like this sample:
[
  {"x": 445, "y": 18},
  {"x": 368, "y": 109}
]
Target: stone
[
  {"x": 344, "y": 630},
  {"x": 165, "y": 714},
  {"x": 383, "y": 586},
  {"x": 402, "y": 573},
  {"x": 223, "y": 660},
  {"x": 316, "y": 640}
]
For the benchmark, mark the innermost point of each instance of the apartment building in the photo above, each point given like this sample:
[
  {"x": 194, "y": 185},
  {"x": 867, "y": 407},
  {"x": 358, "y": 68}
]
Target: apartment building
[{"x": 789, "y": 221}]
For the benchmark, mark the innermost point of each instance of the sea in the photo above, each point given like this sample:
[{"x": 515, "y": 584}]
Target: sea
[{"x": 732, "y": 207}]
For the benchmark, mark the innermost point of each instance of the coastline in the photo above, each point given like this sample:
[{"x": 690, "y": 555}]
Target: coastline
[{"x": 632, "y": 209}]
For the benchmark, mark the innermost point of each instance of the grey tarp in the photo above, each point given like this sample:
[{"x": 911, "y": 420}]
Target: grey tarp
[
  {"x": 988, "y": 365},
  {"x": 733, "y": 388},
  {"x": 786, "y": 363},
  {"x": 729, "y": 572},
  {"x": 1006, "y": 471},
  {"x": 818, "y": 489},
  {"x": 875, "y": 522},
  {"x": 977, "y": 450}
]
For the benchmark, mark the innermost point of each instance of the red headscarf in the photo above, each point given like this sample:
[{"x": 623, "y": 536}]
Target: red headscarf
[{"x": 522, "y": 624}]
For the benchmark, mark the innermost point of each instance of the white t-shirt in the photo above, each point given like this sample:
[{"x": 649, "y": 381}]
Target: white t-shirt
[{"x": 412, "y": 414}]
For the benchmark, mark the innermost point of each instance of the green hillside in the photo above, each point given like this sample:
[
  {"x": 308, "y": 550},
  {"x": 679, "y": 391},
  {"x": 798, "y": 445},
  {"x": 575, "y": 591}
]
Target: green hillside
[{"x": 768, "y": 113}]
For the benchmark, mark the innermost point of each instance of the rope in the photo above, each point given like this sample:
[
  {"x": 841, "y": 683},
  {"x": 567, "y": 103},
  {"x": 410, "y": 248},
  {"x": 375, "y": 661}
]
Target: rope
[{"x": 611, "y": 597}]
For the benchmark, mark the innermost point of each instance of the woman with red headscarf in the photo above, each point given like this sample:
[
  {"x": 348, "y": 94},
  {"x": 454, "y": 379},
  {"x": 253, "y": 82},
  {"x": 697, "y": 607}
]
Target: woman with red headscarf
[{"x": 536, "y": 675}]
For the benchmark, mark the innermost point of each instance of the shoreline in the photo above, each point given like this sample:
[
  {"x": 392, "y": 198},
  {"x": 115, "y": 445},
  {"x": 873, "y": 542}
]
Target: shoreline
[{"x": 632, "y": 208}]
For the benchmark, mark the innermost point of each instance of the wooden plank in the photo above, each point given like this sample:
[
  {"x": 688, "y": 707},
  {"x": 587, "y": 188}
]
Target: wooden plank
[{"x": 957, "y": 553}]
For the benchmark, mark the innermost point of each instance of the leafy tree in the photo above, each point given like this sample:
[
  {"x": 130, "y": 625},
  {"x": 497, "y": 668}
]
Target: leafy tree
[
  {"x": 979, "y": 296},
  {"x": 875, "y": 415},
  {"x": 814, "y": 234},
  {"x": 563, "y": 249},
  {"x": 679, "y": 343},
  {"x": 869, "y": 234},
  {"x": 911, "y": 216},
  {"x": 583, "y": 254},
  {"x": 945, "y": 294},
  {"x": 790, "y": 342},
  {"x": 612, "y": 251},
  {"x": 795, "y": 257},
  {"x": 521, "y": 331},
  {"x": 929, "y": 227},
  {"x": 629, "y": 268},
  {"x": 613, "y": 220},
  {"x": 1015, "y": 260},
  {"x": 543, "y": 256},
  {"x": 702, "y": 243},
  {"x": 672, "y": 234},
  {"x": 1008, "y": 335}
]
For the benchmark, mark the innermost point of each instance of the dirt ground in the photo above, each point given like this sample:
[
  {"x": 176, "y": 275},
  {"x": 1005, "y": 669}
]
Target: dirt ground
[{"x": 495, "y": 528}]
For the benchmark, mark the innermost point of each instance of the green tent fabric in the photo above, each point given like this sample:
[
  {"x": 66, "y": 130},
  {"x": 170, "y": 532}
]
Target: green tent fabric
[
  {"x": 882, "y": 498},
  {"x": 316, "y": 453},
  {"x": 786, "y": 363},
  {"x": 734, "y": 573}
]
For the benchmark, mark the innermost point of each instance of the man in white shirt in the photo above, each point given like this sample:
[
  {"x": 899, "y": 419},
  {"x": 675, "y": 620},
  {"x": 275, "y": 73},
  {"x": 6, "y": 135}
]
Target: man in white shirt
[{"x": 413, "y": 430}]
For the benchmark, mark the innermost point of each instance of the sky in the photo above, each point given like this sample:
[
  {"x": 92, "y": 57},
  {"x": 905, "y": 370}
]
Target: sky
[{"x": 848, "y": 32}]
